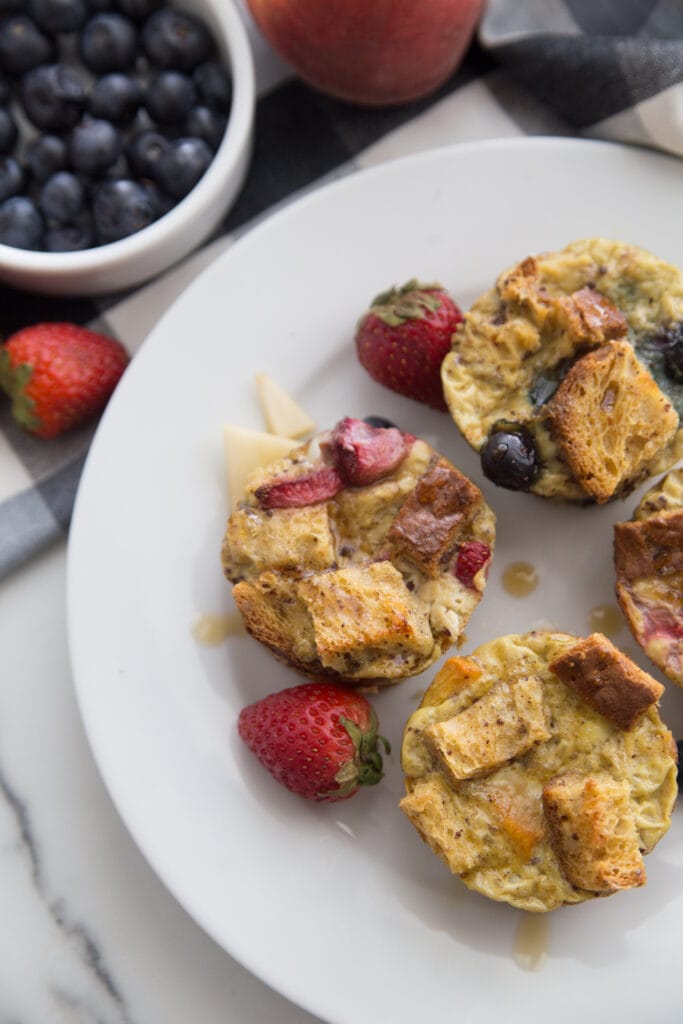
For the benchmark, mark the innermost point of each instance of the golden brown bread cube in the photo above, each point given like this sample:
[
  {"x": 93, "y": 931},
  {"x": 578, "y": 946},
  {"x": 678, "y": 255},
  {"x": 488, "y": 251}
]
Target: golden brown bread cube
[
  {"x": 609, "y": 419},
  {"x": 607, "y": 680},
  {"x": 257, "y": 539},
  {"x": 365, "y": 608},
  {"x": 434, "y": 517},
  {"x": 592, "y": 831},
  {"x": 591, "y": 318},
  {"x": 503, "y": 724}
]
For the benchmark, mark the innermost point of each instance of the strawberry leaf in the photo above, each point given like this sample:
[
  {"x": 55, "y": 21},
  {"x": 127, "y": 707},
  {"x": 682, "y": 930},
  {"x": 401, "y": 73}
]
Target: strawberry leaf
[{"x": 13, "y": 381}]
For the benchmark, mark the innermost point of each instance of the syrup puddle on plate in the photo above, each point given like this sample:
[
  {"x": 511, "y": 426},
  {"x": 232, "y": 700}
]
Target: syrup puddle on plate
[
  {"x": 519, "y": 579},
  {"x": 530, "y": 947},
  {"x": 211, "y": 630},
  {"x": 606, "y": 618}
]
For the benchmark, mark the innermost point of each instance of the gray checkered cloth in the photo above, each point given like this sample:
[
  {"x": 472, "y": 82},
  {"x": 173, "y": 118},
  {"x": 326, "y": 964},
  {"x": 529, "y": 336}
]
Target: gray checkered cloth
[{"x": 603, "y": 68}]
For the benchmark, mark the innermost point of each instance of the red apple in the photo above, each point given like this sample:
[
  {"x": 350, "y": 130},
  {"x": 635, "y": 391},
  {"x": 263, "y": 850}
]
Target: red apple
[{"x": 373, "y": 52}]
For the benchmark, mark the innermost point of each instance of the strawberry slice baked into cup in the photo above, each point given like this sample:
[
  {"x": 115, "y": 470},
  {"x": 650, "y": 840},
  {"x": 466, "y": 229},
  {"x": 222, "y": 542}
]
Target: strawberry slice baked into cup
[
  {"x": 648, "y": 559},
  {"x": 359, "y": 556}
]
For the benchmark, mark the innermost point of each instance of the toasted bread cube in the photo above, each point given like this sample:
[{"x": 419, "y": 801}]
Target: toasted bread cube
[
  {"x": 592, "y": 831},
  {"x": 274, "y": 615},
  {"x": 609, "y": 419},
  {"x": 592, "y": 319},
  {"x": 290, "y": 538},
  {"x": 607, "y": 680},
  {"x": 435, "y": 812},
  {"x": 650, "y": 546},
  {"x": 504, "y": 723},
  {"x": 433, "y": 517},
  {"x": 361, "y": 608}
]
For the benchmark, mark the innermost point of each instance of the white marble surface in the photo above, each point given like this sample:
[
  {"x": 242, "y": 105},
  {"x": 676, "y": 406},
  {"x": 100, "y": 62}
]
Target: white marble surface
[{"x": 89, "y": 935}]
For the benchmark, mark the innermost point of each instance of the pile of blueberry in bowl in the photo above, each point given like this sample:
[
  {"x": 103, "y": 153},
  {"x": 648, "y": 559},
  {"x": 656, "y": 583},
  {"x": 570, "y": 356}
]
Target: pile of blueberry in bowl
[{"x": 117, "y": 117}]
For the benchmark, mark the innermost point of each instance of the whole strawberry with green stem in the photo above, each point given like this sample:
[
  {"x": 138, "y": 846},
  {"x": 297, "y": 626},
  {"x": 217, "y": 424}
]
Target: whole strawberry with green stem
[
  {"x": 59, "y": 375},
  {"x": 318, "y": 739},
  {"x": 402, "y": 340}
]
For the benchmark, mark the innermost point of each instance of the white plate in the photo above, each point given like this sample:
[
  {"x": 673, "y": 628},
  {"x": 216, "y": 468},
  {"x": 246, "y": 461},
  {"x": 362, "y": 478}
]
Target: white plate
[{"x": 341, "y": 907}]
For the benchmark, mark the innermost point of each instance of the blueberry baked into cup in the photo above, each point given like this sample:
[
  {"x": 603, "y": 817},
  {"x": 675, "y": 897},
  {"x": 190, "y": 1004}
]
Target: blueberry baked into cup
[
  {"x": 360, "y": 556},
  {"x": 567, "y": 376},
  {"x": 538, "y": 769}
]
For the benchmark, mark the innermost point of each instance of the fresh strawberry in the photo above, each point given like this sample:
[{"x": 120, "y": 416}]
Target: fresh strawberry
[
  {"x": 319, "y": 740},
  {"x": 59, "y": 375},
  {"x": 298, "y": 491},
  {"x": 364, "y": 453},
  {"x": 403, "y": 338},
  {"x": 472, "y": 555}
]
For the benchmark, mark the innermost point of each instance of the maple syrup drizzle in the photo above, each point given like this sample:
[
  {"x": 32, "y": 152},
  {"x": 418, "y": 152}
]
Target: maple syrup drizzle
[
  {"x": 520, "y": 579},
  {"x": 212, "y": 630},
  {"x": 531, "y": 941},
  {"x": 606, "y": 618}
]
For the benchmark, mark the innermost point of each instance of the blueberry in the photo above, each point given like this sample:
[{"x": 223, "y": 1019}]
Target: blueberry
[
  {"x": 44, "y": 155},
  {"x": 144, "y": 151},
  {"x": 53, "y": 96},
  {"x": 57, "y": 16},
  {"x": 69, "y": 238},
  {"x": 94, "y": 146},
  {"x": 378, "y": 421},
  {"x": 170, "y": 97},
  {"x": 61, "y": 197},
  {"x": 8, "y": 131},
  {"x": 213, "y": 85},
  {"x": 108, "y": 43},
  {"x": 673, "y": 362},
  {"x": 204, "y": 123},
  {"x": 115, "y": 97},
  {"x": 121, "y": 208},
  {"x": 670, "y": 339},
  {"x": 161, "y": 202},
  {"x": 20, "y": 223},
  {"x": 509, "y": 457},
  {"x": 23, "y": 46},
  {"x": 138, "y": 10},
  {"x": 11, "y": 177},
  {"x": 175, "y": 40},
  {"x": 182, "y": 165}
]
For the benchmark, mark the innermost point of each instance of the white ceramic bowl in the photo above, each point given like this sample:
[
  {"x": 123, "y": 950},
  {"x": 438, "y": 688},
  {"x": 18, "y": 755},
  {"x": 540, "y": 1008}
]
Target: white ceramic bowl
[{"x": 118, "y": 265}]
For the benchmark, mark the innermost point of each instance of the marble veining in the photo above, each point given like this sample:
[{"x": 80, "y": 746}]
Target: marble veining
[{"x": 93, "y": 997}]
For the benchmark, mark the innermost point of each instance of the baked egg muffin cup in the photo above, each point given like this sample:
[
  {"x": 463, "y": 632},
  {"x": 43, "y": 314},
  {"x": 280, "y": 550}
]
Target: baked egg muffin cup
[
  {"x": 538, "y": 769},
  {"x": 648, "y": 561},
  {"x": 360, "y": 556},
  {"x": 565, "y": 376}
]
